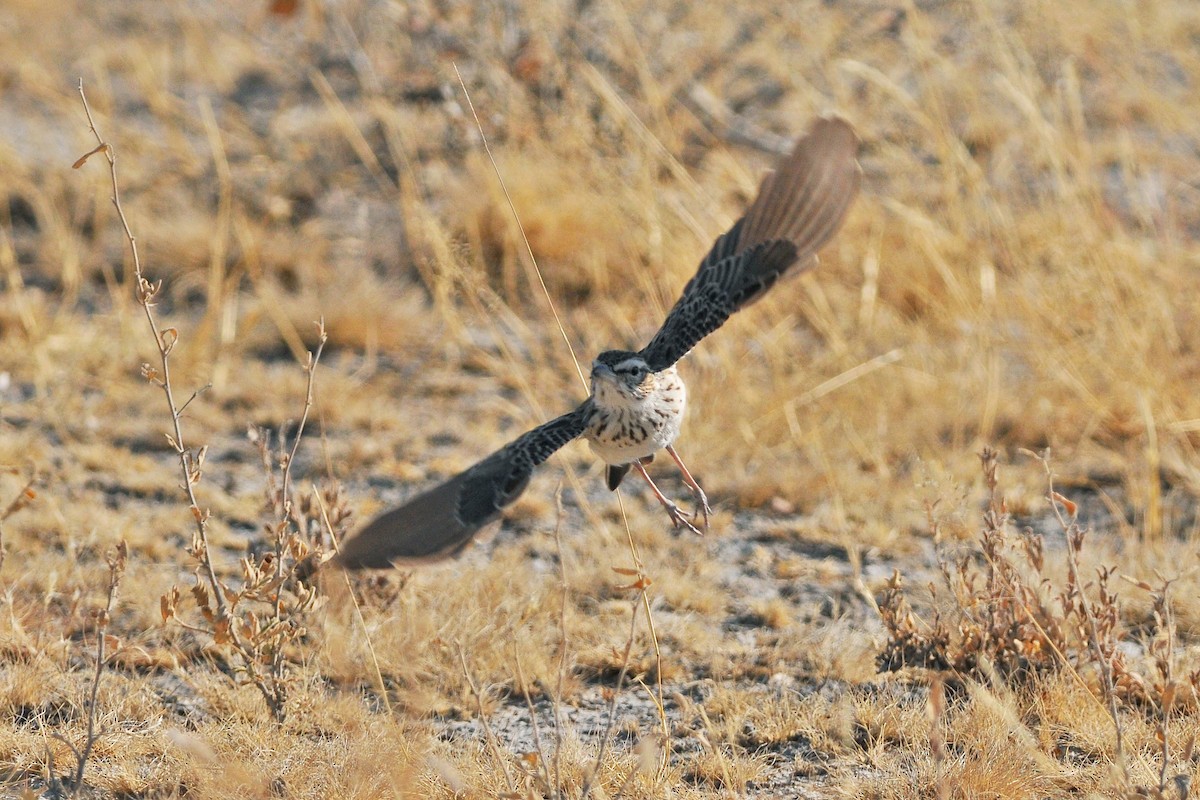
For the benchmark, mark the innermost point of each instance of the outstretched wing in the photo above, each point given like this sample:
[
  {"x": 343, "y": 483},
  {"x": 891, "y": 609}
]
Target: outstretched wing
[
  {"x": 439, "y": 523},
  {"x": 798, "y": 208}
]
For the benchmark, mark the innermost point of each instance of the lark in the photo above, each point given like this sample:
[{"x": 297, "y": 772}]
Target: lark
[{"x": 638, "y": 399}]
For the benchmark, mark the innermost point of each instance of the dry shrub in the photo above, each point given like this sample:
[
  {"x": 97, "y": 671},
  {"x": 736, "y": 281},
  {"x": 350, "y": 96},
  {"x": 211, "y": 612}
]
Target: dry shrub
[{"x": 1010, "y": 623}]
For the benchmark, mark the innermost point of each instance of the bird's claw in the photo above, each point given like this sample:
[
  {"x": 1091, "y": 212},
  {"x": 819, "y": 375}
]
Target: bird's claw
[
  {"x": 703, "y": 510},
  {"x": 678, "y": 518}
]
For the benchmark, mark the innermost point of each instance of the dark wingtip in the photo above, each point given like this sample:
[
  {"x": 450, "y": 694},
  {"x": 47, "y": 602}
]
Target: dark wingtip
[
  {"x": 424, "y": 530},
  {"x": 310, "y": 565},
  {"x": 439, "y": 523}
]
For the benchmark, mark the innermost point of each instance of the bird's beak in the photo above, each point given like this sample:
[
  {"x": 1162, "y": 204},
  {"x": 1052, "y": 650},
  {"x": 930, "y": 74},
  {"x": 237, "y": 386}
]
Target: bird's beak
[{"x": 602, "y": 371}]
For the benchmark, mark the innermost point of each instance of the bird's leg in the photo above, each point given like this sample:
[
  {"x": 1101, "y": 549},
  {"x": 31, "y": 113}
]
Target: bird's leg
[
  {"x": 677, "y": 516},
  {"x": 702, "y": 509}
]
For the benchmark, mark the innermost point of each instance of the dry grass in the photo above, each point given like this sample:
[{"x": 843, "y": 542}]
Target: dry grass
[{"x": 1019, "y": 272}]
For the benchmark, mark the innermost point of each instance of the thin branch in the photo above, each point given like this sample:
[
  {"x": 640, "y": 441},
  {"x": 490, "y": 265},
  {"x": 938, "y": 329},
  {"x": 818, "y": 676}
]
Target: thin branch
[
  {"x": 116, "y": 570},
  {"x": 528, "y": 248},
  {"x": 552, "y": 791},
  {"x": 195, "y": 394},
  {"x": 562, "y": 631},
  {"x": 1074, "y": 541},
  {"x": 493, "y": 744},
  {"x": 383, "y": 692},
  {"x": 612, "y": 706},
  {"x": 146, "y": 293}
]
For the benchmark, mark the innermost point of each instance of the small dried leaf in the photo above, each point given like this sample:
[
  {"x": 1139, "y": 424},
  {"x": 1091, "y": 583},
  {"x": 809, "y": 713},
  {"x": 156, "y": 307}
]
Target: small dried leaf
[
  {"x": 83, "y": 159},
  {"x": 1168, "y": 696},
  {"x": 640, "y": 584},
  {"x": 1071, "y": 508},
  {"x": 200, "y": 593},
  {"x": 166, "y": 605}
]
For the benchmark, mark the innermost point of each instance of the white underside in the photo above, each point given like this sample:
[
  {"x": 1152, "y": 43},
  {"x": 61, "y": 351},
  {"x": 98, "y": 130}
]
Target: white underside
[
  {"x": 613, "y": 453},
  {"x": 661, "y": 420}
]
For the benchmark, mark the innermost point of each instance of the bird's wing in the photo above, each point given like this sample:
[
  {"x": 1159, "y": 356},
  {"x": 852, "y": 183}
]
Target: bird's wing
[
  {"x": 798, "y": 208},
  {"x": 440, "y": 522}
]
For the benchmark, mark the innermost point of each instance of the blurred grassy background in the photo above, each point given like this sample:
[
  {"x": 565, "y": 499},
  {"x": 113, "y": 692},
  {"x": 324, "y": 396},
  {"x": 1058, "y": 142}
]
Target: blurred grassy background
[{"x": 1019, "y": 271}]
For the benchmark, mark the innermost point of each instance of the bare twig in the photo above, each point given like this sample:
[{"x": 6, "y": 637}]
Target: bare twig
[
  {"x": 937, "y": 737},
  {"x": 616, "y": 695},
  {"x": 562, "y": 632},
  {"x": 383, "y": 692},
  {"x": 542, "y": 761},
  {"x": 493, "y": 744},
  {"x": 259, "y": 643},
  {"x": 1075, "y": 537},
  {"x": 116, "y": 571},
  {"x": 528, "y": 248},
  {"x": 164, "y": 340},
  {"x": 643, "y": 583}
]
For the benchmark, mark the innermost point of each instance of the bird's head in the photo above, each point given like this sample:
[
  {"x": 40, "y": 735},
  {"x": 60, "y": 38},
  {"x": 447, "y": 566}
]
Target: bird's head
[{"x": 620, "y": 374}]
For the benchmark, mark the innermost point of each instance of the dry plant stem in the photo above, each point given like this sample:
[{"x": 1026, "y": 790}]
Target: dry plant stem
[
  {"x": 562, "y": 631},
  {"x": 310, "y": 368},
  {"x": 625, "y": 782},
  {"x": 164, "y": 340},
  {"x": 1163, "y": 651},
  {"x": 542, "y": 762},
  {"x": 116, "y": 571},
  {"x": 643, "y": 595},
  {"x": 1164, "y": 725},
  {"x": 722, "y": 762},
  {"x": 22, "y": 499},
  {"x": 1074, "y": 535},
  {"x": 493, "y": 744},
  {"x": 528, "y": 248},
  {"x": 362, "y": 622},
  {"x": 612, "y": 706},
  {"x": 284, "y": 511},
  {"x": 644, "y": 583},
  {"x": 937, "y": 739},
  {"x": 224, "y": 626}
]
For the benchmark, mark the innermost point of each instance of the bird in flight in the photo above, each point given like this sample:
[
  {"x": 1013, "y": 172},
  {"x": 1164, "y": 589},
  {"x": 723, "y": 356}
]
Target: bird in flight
[{"x": 637, "y": 399}]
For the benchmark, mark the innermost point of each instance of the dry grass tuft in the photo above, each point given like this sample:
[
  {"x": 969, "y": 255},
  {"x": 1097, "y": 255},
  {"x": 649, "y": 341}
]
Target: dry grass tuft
[{"x": 1019, "y": 275}]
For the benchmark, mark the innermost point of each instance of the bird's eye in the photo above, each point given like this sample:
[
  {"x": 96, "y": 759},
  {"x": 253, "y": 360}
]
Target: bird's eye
[{"x": 632, "y": 371}]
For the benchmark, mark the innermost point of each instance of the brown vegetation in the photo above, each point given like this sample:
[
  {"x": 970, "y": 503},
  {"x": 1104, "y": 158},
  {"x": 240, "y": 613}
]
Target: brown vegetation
[{"x": 1019, "y": 275}]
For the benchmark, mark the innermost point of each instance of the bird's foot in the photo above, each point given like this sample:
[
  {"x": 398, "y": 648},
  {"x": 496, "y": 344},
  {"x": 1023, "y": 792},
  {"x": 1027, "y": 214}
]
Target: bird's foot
[{"x": 678, "y": 518}]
